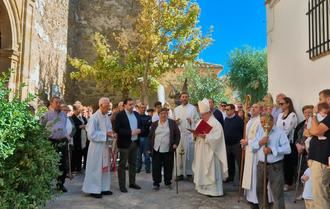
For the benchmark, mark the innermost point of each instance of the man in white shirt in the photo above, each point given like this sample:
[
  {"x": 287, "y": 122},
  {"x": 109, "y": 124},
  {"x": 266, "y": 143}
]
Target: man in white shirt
[
  {"x": 99, "y": 129},
  {"x": 277, "y": 146},
  {"x": 186, "y": 117}
]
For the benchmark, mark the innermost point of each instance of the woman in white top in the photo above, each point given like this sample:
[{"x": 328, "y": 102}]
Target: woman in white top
[
  {"x": 164, "y": 138},
  {"x": 287, "y": 120}
]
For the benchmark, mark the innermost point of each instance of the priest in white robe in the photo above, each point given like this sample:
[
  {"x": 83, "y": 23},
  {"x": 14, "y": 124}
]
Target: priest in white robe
[
  {"x": 97, "y": 178},
  {"x": 210, "y": 163},
  {"x": 249, "y": 182},
  {"x": 186, "y": 117}
]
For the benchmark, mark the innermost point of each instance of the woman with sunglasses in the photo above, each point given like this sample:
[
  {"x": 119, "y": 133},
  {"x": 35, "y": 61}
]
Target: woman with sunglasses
[{"x": 287, "y": 120}]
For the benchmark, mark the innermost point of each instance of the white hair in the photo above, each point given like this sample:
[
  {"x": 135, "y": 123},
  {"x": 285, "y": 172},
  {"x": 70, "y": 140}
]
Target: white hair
[{"x": 104, "y": 100}]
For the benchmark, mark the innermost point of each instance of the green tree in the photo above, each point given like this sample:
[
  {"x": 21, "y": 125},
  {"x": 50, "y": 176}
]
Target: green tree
[
  {"x": 28, "y": 162},
  {"x": 248, "y": 72},
  {"x": 165, "y": 37},
  {"x": 203, "y": 85}
]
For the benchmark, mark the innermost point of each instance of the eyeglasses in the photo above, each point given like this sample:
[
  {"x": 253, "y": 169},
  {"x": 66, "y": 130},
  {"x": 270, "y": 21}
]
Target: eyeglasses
[{"x": 281, "y": 103}]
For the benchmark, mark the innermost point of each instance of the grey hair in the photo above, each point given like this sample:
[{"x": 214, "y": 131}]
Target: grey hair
[{"x": 103, "y": 100}]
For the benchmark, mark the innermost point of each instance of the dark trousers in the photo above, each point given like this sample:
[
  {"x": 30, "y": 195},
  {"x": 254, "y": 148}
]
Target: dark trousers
[
  {"x": 76, "y": 159},
  {"x": 84, "y": 154},
  {"x": 275, "y": 178},
  {"x": 61, "y": 147},
  {"x": 159, "y": 160},
  {"x": 143, "y": 150},
  {"x": 289, "y": 165},
  {"x": 127, "y": 155},
  {"x": 233, "y": 155}
]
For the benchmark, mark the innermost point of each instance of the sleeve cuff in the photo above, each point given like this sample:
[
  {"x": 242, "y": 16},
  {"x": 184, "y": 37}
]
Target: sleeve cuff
[{"x": 274, "y": 151}]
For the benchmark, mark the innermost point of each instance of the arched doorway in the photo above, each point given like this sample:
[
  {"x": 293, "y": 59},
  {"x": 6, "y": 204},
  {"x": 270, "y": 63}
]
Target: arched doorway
[{"x": 6, "y": 41}]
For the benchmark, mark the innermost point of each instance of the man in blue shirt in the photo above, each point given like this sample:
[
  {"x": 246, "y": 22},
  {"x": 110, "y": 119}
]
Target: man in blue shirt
[
  {"x": 277, "y": 146},
  {"x": 128, "y": 127},
  {"x": 55, "y": 121}
]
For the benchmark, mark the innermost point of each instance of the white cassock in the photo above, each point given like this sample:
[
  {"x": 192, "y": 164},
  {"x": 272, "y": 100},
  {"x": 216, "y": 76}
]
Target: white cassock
[
  {"x": 210, "y": 163},
  {"x": 186, "y": 145},
  {"x": 97, "y": 177},
  {"x": 249, "y": 182}
]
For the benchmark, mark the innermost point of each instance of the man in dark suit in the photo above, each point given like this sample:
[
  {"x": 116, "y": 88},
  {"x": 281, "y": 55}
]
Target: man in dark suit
[
  {"x": 128, "y": 128},
  {"x": 80, "y": 124}
]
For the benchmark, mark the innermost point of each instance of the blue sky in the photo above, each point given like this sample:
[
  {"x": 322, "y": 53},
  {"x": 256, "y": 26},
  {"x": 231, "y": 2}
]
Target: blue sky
[{"x": 236, "y": 23}]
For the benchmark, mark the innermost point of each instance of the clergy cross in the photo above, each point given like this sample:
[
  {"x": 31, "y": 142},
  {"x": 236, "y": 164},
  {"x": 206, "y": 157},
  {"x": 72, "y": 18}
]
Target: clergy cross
[
  {"x": 267, "y": 128},
  {"x": 181, "y": 151}
]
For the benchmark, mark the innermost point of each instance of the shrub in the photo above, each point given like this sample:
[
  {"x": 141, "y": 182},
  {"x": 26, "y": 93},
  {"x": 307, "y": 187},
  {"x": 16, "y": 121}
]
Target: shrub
[{"x": 28, "y": 162}]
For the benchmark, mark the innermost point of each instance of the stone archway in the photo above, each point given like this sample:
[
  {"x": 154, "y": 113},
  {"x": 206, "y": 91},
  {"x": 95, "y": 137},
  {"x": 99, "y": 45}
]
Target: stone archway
[
  {"x": 10, "y": 39},
  {"x": 6, "y": 41}
]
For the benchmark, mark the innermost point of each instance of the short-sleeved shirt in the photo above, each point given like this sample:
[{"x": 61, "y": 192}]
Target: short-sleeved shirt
[{"x": 319, "y": 150}]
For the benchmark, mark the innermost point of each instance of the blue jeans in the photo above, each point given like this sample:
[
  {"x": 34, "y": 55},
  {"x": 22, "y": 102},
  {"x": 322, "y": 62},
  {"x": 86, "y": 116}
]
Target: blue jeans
[{"x": 143, "y": 150}]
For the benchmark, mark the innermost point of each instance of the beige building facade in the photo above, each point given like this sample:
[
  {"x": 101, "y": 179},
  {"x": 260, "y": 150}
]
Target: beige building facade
[{"x": 291, "y": 70}]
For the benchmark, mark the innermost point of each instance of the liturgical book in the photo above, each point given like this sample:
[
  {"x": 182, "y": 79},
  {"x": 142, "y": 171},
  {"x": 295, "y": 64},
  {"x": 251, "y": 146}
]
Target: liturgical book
[{"x": 202, "y": 128}]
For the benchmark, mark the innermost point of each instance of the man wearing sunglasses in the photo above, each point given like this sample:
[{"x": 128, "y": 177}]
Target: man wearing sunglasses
[
  {"x": 233, "y": 129},
  {"x": 222, "y": 108}
]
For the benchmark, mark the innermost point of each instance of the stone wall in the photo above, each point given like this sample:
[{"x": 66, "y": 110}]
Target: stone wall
[
  {"x": 37, "y": 46},
  {"x": 86, "y": 18},
  {"x": 49, "y": 47}
]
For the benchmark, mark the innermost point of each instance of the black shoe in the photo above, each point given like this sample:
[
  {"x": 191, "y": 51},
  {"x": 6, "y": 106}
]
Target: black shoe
[
  {"x": 107, "y": 193},
  {"x": 138, "y": 171},
  {"x": 123, "y": 190},
  {"x": 148, "y": 171},
  {"x": 98, "y": 196},
  {"x": 61, "y": 187},
  {"x": 156, "y": 187},
  {"x": 253, "y": 206},
  {"x": 134, "y": 186}
]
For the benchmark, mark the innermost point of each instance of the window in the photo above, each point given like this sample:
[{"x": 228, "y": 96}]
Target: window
[{"x": 318, "y": 28}]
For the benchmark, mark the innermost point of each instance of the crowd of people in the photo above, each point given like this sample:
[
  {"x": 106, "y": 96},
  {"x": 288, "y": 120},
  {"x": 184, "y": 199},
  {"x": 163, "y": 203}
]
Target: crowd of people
[{"x": 199, "y": 143}]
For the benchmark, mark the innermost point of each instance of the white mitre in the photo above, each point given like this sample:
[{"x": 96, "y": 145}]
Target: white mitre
[{"x": 204, "y": 106}]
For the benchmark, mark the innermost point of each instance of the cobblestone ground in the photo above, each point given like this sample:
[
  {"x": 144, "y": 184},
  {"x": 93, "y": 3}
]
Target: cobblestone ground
[{"x": 146, "y": 198}]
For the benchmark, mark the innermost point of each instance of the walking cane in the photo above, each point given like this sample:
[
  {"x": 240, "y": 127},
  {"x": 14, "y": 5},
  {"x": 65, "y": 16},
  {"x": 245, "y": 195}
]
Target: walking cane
[
  {"x": 246, "y": 119},
  {"x": 265, "y": 182},
  {"x": 267, "y": 132},
  {"x": 69, "y": 159},
  {"x": 298, "y": 179},
  {"x": 176, "y": 172}
]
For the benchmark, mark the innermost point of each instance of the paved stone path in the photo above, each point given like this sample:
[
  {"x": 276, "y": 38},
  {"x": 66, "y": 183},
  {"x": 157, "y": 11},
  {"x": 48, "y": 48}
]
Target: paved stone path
[{"x": 147, "y": 198}]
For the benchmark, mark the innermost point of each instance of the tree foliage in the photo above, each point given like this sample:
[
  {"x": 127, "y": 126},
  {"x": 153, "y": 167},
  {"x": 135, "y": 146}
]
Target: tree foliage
[
  {"x": 165, "y": 37},
  {"x": 248, "y": 72},
  {"x": 203, "y": 85},
  {"x": 28, "y": 162}
]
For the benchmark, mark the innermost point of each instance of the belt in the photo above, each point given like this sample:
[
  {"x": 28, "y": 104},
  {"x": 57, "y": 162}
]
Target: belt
[
  {"x": 58, "y": 140},
  {"x": 274, "y": 163}
]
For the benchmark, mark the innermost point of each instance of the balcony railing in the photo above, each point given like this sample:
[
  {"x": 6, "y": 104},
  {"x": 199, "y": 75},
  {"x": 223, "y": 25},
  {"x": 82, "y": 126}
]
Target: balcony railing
[{"x": 318, "y": 28}]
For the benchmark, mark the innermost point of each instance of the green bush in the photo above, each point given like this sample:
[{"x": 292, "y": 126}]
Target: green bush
[{"x": 28, "y": 162}]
